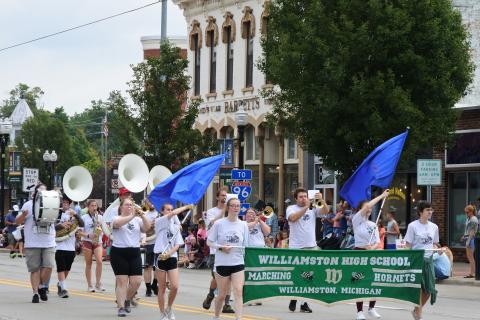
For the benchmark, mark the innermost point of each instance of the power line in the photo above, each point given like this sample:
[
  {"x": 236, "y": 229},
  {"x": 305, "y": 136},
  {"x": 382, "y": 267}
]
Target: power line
[{"x": 78, "y": 27}]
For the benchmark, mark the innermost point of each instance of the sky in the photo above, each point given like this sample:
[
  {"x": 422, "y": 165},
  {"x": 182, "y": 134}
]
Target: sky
[{"x": 79, "y": 66}]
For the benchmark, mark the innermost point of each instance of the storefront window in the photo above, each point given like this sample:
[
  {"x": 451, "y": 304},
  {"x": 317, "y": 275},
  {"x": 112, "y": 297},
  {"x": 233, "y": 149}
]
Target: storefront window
[
  {"x": 291, "y": 181},
  {"x": 465, "y": 149},
  {"x": 398, "y": 199},
  {"x": 250, "y": 143},
  {"x": 271, "y": 184},
  {"x": 464, "y": 189}
]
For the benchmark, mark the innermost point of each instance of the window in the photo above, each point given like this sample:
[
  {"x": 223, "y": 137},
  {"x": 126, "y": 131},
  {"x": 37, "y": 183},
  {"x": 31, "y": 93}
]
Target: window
[
  {"x": 211, "y": 32},
  {"x": 249, "y": 143},
  {"x": 196, "y": 57},
  {"x": 464, "y": 189},
  {"x": 249, "y": 60},
  {"x": 213, "y": 63},
  {"x": 291, "y": 149},
  {"x": 229, "y": 59},
  {"x": 195, "y": 46},
  {"x": 466, "y": 149}
]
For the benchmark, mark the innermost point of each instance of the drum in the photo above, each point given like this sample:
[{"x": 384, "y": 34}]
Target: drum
[{"x": 47, "y": 207}]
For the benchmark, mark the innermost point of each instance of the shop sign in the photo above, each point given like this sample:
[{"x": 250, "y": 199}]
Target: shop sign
[{"x": 429, "y": 172}]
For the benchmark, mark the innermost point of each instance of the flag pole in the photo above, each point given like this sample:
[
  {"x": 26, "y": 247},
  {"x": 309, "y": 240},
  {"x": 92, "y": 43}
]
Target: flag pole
[
  {"x": 378, "y": 218},
  {"x": 105, "y": 158}
]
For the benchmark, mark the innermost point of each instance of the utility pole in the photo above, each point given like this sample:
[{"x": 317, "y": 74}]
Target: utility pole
[{"x": 164, "y": 20}]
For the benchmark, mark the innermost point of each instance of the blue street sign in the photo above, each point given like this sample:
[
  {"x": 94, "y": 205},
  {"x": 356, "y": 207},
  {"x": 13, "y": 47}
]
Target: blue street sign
[
  {"x": 241, "y": 174},
  {"x": 244, "y": 208},
  {"x": 243, "y": 191}
]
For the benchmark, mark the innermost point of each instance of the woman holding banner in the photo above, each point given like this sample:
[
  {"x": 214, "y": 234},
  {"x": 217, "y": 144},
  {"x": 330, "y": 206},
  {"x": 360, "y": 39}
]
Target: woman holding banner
[
  {"x": 363, "y": 229},
  {"x": 229, "y": 235},
  {"x": 422, "y": 234}
]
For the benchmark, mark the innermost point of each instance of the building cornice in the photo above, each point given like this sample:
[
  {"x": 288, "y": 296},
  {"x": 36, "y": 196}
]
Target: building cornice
[{"x": 195, "y": 7}]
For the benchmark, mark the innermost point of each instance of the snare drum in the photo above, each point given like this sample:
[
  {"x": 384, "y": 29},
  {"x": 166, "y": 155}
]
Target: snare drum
[{"x": 47, "y": 207}]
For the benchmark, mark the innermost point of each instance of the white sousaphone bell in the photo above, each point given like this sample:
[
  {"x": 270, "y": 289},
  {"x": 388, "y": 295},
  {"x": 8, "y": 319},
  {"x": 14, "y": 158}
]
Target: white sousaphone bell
[
  {"x": 156, "y": 176},
  {"x": 133, "y": 173}
]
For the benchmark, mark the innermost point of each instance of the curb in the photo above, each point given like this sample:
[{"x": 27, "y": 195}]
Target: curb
[{"x": 459, "y": 282}]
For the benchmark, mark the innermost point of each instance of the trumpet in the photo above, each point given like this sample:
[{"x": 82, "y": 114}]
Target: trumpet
[
  {"x": 139, "y": 212},
  {"x": 316, "y": 203}
]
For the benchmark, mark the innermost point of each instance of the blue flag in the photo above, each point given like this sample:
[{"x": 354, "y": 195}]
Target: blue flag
[
  {"x": 187, "y": 185},
  {"x": 377, "y": 170}
]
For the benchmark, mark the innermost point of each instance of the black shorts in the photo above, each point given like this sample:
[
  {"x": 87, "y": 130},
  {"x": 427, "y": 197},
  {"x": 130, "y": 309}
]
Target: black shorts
[
  {"x": 227, "y": 271},
  {"x": 126, "y": 261},
  {"x": 64, "y": 260},
  {"x": 149, "y": 255},
  {"x": 166, "y": 265}
]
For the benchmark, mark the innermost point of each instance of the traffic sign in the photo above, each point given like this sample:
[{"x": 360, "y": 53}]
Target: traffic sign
[
  {"x": 242, "y": 191},
  {"x": 244, "y": 208},
  {"x": 241, "y": 174},
  {"x": 30, "y": 179}
]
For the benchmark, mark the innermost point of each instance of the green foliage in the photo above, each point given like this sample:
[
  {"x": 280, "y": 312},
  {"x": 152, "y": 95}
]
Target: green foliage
[
  {"x": 353, "y": 73},
  {"x": 31, "y": 95},
  {"x": 158, "y": 87},
  {"x": 45, "y": 132}
]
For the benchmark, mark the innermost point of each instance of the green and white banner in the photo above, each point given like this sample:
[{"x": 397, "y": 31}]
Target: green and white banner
[{"x": 332, "y": 276}]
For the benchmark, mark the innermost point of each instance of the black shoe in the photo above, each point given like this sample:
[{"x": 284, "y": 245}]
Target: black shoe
[
  {"x": 293, "y": 305},
  {"x": 59, "y": 290},
  {"x": 155, "y": 287},
  {"x": 63, "y": 294},
  {"x": 305, "y": 308},
  {"x": 148, "y": 293},
  {"x": 127, "y": 308},
  {"x": 227, "y": 309},
  {"x": 208, "y": 301},
  {"x": 43, "y": 294},
  {"x": 35, "y": 298}
]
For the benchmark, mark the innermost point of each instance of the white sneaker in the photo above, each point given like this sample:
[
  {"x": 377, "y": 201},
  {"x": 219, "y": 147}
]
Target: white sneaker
[
  {"x": 100, "y": 288},
  {"x": 163, "y": 316},
  {"x": 373, "y": 313},
  {"x": 169, "y": 313},
  {"x": 360, "y": 315},
  {"x": 91, "y": 289}
]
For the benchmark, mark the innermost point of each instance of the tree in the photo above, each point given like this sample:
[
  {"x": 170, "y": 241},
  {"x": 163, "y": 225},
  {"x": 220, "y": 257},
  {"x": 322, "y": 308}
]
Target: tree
[
  {"x": 363, "y": 72},
  {"x": 31, "y": 95},
  {"x": 45, "y": 132},
  {"x": 159, "y": 87}
]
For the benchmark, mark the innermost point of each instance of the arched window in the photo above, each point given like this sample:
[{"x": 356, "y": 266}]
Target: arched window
[
  {"x": 248, "y": 32},
  {"x": 265, "y": 17},
  {"x": 211, "y": 37},
  {"x": 195, "y": 46},
  {"x": 228, "y": 37}
]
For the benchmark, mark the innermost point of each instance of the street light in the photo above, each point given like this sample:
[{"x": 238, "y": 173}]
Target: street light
[
  {"x": 5, "y": 129},
  {"x": 241, "y": 121},
  {"x": 50, "y": 160}
]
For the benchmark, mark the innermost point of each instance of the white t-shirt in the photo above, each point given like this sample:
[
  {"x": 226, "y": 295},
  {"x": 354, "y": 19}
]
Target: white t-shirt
[
  {"x": 151, "y": 216},
  {"x": 302, "y": 231},
  {"x": 225, "y": 232},
  {"x": 34, "y": 239},
  {"x": 212, "y": 214},
  {"x": 128, "y": 235},
  {"x": 362, "y": 231},
  {"x": 166, "y": 229},
  {"x": 69, "y": 243},
  {"x": 255, "y": 237},
  {"x": 422, "y": 236},
  {"x": 90, "y": 226}
]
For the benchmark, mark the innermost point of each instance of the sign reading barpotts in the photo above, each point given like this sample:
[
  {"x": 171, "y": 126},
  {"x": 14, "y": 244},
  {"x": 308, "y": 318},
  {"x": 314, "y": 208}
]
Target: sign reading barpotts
[{"x": 333, "y": 276}]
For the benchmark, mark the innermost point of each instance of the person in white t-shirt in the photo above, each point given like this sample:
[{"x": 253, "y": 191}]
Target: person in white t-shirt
[
  {"x": 148, "y": 275},
  {"x": 257, "y": 228},
  {"x": 423, "y": 234},
  {"x": 65, "y": 253},
  {"x": 228, "y": 235},
  {"x": 168, "y": 241},
  {"x": 39, "y": 249},
  {"x": 366, "y": 238},
  {"x": 211, "y": 217},
  {"x": 92, "y": 245},
  {"x": 302, "y": 220},
  {"x": 125, "y": 256}
]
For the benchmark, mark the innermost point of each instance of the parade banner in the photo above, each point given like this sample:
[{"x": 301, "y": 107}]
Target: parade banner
[{"x": 331, "y": 276}]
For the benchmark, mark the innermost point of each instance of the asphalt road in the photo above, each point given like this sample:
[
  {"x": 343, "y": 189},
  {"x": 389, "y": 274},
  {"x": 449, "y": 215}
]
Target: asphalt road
[{"x": 454, "y": 302}]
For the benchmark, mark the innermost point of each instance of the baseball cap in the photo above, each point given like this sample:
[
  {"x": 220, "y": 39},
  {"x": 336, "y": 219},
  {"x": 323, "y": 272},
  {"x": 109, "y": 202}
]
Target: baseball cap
[
  {"x": 16, "y": 208},
  {"x": 123, "y": 191}
]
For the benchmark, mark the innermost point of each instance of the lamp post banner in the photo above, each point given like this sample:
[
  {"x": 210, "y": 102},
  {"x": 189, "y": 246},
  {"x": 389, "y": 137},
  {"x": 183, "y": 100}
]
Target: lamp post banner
[{"x": 332, "y": 276}]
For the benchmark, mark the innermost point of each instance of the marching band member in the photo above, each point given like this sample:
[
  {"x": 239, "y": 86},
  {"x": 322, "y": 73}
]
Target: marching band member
[
  {"x": 112, "y": 212},
  {"x": 125, "y": 255},
  {"x": 92, "y": 245},
  {"x": 151, "y": 215},
  {"x": 213, "y": 215},
  {"x": 258, "y": 229},
  {"x": 65, "y": 253},
  {"x": 302, "y": 219},
  {"x": 39, "y": 249},
  {"x": 423, "y": 234},
  {"x": 169, "y": 239},
  {"x": 229, "y": 262},
  {"x": 363, "y": 229}
]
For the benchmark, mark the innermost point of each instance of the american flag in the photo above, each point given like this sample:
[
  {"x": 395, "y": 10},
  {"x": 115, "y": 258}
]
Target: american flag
[{"x": 105, "y": 127}]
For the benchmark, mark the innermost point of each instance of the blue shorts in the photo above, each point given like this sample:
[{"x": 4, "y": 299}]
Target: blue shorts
[
  {"x": 471, "y": 245},
  {"x": 391, "y": 246}
]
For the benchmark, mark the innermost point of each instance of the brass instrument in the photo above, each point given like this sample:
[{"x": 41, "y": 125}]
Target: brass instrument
[
  {"x": 65, "y": 233},
  {"x": 267, "y": 212},
  {"x": 98, "y": 230}
]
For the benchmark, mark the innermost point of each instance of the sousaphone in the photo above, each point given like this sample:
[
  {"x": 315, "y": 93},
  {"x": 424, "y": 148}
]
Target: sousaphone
[
  {"x": 133, "y": 173},
  {"x": 157, "y": 175}
]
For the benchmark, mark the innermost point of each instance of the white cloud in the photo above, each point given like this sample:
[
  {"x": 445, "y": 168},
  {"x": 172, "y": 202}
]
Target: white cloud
[{"x": 82, "y": 65}]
